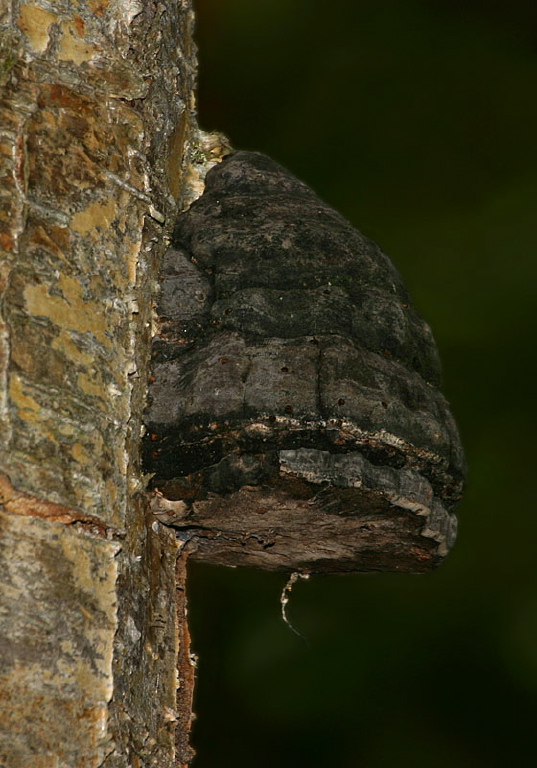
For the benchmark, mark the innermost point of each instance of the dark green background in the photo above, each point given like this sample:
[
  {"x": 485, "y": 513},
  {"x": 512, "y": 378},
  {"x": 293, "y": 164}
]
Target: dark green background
[{"x": 418, "y": 121}]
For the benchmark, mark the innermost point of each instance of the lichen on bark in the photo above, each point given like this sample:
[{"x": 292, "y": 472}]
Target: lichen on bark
[{"x": 96, "y": 118}]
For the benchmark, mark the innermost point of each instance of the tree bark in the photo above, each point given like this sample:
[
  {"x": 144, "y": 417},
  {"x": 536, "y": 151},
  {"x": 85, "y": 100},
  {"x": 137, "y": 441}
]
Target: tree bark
[
  {"x": 98, "y": 150},
  {"x": 337, "y": 458}
]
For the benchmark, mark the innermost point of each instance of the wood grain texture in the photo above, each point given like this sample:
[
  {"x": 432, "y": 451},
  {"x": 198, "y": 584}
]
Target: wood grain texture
[{"x": 295, "y": 388}]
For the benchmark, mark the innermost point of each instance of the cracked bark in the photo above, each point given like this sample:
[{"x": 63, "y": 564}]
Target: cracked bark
[{"x": 98, "y": 149}]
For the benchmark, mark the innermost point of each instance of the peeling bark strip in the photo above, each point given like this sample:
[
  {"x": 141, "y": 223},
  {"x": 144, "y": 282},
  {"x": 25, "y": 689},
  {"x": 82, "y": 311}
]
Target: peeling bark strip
[
  {"x": 17, "y": 503},
  {"x": 295, "y": 421}
]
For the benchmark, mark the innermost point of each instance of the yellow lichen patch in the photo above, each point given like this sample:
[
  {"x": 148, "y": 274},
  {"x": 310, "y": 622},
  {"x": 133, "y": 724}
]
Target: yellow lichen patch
[
  {"x": 21, "y": 399},
  {"x": 95, "y": 215},
  {"x": 73, "y": 47},
  {"x": 35, "y": 22},
  {"x": 64, "y": 344},
  {"x": 89, "y": 386},
  {"x": 68, "y": 311},
  {"x": 79, "y": 454}
]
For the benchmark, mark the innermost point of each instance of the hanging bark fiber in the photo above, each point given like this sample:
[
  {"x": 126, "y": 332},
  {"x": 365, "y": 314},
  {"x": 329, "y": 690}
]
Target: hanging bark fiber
[{"x": 295, "y": 421}]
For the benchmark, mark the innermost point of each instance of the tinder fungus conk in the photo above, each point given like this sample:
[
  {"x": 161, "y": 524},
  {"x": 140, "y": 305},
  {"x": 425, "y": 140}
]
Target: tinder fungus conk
[{"x": 294, "y": 420}]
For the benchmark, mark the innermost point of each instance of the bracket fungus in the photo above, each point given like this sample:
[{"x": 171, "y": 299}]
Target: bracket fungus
[{"x": 294, "y": 419}]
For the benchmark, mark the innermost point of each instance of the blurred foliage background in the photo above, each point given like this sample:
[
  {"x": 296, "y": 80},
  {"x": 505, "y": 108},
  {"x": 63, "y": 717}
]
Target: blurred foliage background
[{"x": 416, "y": 119}]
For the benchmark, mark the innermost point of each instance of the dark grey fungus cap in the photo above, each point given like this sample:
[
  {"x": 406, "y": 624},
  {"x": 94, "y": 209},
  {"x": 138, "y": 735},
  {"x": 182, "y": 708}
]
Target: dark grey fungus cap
[{"x": 295, "y": 421}]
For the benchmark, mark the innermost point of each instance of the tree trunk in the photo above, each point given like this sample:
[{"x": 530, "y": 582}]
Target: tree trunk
[{"x": 98, "y": 151}]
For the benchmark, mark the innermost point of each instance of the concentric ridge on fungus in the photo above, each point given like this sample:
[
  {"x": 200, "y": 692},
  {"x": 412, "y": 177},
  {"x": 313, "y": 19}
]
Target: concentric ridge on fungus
[{"x": 295, "y": 420}]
